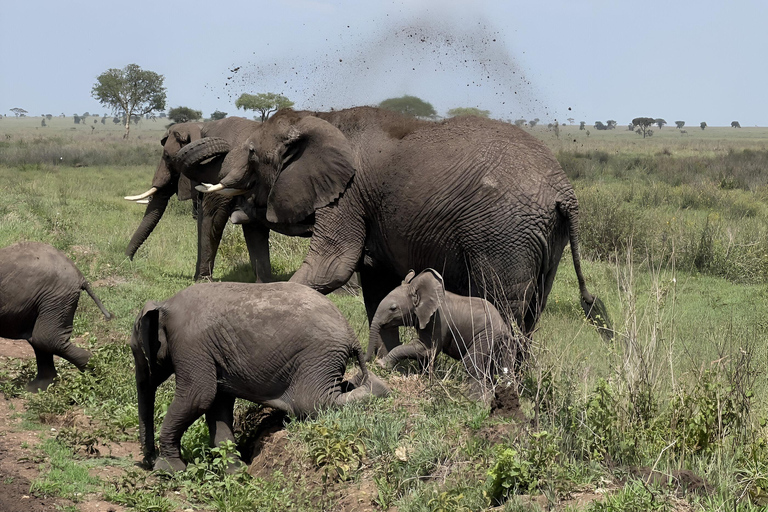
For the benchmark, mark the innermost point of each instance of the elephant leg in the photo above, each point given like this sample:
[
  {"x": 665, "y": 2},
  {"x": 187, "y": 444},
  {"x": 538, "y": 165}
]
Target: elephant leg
[
  {"x": 478, "y": 362},
  {"x": 186, "y": 407},
  {"x": 220, "y": 420},
  {"x": 376, "y": 284},
  {"x": 415, "y": 350},
  {"x": 46, "y": 371},
  {"x": 50, "y": 336},
  {"x": 257, "y": 241},
  {"x": 374, "y": 386},
  {"x": 211, "y": 221}
]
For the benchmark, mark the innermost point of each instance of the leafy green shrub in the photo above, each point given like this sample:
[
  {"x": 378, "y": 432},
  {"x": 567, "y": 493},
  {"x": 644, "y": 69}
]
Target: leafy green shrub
[
  {"x": 335, "y": 451},
  {"x": 536, "y": 466}
]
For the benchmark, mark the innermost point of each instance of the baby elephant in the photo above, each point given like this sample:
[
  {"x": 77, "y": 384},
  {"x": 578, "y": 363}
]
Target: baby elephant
[
  {"x": 280, "y": 344},
  {"x": 468, "y": 329},
  {"x": 39, "y": 291}
]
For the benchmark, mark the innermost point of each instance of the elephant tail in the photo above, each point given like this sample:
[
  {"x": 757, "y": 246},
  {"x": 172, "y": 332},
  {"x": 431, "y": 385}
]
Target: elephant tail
[
  {"x": 87, "y": 288},
  {"x": 357, "y": 352},
  {"x": 593, "y": 307}
]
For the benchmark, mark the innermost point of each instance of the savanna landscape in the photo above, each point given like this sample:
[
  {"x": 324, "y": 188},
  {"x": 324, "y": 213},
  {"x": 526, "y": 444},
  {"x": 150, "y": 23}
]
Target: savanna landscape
[{"x": 671, "y": 415}]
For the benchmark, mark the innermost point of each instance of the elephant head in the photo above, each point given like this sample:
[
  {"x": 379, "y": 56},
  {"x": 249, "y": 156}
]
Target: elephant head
[
  {"x": 412, "y": 304},
  {"x": 291, "y": 165},
  {"x": 166, "y": 182}
]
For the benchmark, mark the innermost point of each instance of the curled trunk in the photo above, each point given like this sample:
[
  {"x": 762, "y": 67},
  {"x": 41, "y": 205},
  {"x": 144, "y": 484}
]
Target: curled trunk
[{"x": 189, "y": 158}]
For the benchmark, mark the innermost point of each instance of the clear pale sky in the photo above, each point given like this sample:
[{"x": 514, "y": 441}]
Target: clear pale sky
[{"x": 586, "y": 59}]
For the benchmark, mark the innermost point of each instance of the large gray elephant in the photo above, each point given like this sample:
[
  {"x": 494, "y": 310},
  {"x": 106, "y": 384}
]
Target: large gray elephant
[
  {"x": 212, "y": 211},
  {"x": 468, "y": 329},
  {"x": 481, "y": 201},
  {"x": 280, "y": 344},
  {"x": 39, "y": 291}
]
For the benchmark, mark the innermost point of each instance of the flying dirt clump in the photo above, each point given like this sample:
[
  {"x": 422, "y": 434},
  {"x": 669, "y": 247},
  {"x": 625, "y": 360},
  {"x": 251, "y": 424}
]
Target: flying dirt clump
[{"x": 444, "y": 62}]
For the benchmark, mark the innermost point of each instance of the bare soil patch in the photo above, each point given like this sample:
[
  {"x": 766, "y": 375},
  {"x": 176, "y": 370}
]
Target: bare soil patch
[{"x": 15, "y": 349}]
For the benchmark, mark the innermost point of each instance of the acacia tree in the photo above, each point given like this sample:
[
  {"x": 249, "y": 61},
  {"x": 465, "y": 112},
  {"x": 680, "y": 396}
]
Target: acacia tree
[
  {"x": 410, "y": 106},
  {"x": 735, "y": 124},
  {"x": 703, "y": 125},
  {"x": 19, "y": 112},
  {"x": 679, "y": 124},
  {"x": 184, "y": 114},
  {"x": 218, "y": 114},
  {"x": 659, "y": 122},
  {"x": 266, "y": 103},
  {"x": 131, "y": 90},
  {"x": 468, "y": 111},
  {"x": 643, "y": 124}
]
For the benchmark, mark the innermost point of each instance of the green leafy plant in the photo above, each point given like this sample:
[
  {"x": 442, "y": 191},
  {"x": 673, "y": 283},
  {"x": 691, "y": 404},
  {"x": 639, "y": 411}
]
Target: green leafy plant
[{"x": 335, "y": 451}]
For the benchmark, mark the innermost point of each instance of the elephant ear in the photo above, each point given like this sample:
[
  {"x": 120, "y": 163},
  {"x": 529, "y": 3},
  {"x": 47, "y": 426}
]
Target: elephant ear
[
  {"x": 428, "y": 293},
  {"x": 152, "y": 334},
  {"x": 185, "y": 189},
  {"x": 317, "y": 165},
  {"x": 409, "y": 276}
]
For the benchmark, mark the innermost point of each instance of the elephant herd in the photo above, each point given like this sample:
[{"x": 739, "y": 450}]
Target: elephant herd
[{"x": 479, "y": 208}]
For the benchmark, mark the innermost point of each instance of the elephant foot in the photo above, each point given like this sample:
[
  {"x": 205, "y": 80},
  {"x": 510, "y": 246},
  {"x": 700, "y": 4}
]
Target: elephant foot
[
  {"x": 374, "y": 385},
  {"x": 377, "y": 386},
  {"x": 39, "y": 384},
  {"x": 169, "y": 464},
  {"x": 235, "y": 465},
  {"x": 481, "y": 393}
]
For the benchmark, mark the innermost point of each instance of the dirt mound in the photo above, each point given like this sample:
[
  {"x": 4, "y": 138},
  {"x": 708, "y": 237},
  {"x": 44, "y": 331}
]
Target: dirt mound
[{"x": 506, "y": 404}]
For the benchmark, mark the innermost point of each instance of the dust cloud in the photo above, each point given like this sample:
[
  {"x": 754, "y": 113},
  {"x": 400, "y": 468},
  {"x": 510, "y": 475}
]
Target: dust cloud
[{"x": 445, "y": 62}]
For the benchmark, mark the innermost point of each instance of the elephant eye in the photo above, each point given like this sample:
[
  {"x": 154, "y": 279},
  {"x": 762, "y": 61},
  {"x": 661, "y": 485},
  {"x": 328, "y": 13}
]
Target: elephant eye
[{"x": 415, "y": 298}]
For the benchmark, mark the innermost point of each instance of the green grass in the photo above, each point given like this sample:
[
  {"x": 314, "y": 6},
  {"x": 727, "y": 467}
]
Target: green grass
[
  {"x": 62, "y": 475},
  {"x": 681, "y": 264}
]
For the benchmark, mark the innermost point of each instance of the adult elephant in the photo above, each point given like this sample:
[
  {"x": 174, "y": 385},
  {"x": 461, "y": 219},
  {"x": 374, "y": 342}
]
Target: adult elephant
[
  {"x": 481, "y": 201},
  {"x": 213, "y": 211}
]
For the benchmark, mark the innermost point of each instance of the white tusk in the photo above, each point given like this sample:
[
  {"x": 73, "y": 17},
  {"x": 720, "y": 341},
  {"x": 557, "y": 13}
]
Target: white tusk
[
  {"x": 142, "y": 196},
  {"x": 232, "y": 192},
  {"x": 143, "y": 201},
  {"x": 207, "y": 187}
]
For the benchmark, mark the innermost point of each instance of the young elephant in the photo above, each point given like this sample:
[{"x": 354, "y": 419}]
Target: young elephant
[
  {"x": 39, "y": 291},
  {"x": 468, "y": 329},
  {"x": 280, "y": 344}
]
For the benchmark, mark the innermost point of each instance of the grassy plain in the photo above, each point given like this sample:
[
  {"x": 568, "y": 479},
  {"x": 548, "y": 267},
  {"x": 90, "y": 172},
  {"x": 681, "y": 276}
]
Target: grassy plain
[{"x": 675, "y": 231}]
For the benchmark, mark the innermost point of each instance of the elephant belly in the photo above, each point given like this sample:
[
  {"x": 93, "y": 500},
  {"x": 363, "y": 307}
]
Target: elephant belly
[
  {"x": 256, "y": 389},
  {"x": 16, "y": 325}
]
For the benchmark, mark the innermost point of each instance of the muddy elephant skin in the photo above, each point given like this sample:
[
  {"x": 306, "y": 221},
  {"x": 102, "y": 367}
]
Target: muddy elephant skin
[{"x": 39, "y": 291}]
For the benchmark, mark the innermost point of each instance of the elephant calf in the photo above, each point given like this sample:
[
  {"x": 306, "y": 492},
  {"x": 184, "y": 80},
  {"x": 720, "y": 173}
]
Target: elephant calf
[
  {"x": 280, "y": 344},
  {"x": 469, "y": 329},
  {"x": 39, "y": 291}
]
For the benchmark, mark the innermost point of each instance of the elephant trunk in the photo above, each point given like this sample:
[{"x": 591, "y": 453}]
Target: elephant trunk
[
  {"x": 374, "y": 340},
  {"x": 152, "y": 215}
]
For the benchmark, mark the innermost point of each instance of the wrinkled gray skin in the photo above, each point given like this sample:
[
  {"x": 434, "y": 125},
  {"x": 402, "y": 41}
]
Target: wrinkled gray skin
[
  {"x": 213, "y": 210},
  {"x": 39, "y": 291},
  {"x": 482, "y": 201},
  {"x": 468, "y": 329},
  {"x": 280, "y": 344}
]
